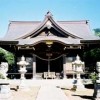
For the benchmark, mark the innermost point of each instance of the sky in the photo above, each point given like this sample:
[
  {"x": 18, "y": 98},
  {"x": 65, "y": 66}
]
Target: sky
[{"x": 35, "y": 10}]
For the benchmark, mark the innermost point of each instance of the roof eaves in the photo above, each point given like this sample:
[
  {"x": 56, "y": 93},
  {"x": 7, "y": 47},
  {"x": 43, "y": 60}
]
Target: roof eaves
[
  {"x": 90, "y": 41},
  {"x": 3, "y": 42}
]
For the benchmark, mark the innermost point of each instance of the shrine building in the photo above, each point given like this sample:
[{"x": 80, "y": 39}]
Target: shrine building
[{"x": 48, "y": 45}]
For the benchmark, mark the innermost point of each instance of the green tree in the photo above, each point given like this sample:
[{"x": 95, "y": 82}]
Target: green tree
[
  {"x": 93, "y": 54},
  {"x": 97, "y": 31},
  {"x": 6, "y": 56},
  {"x": 91, "y": 57}
]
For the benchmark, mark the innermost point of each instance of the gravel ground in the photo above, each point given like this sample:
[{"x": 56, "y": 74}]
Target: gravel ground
[
  {"x": 32, "y": 93},
  {"x": 29, "y": 94}
]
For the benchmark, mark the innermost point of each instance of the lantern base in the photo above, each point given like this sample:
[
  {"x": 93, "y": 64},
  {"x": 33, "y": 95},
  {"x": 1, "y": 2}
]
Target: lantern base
[{"x": 79, "y": 85}]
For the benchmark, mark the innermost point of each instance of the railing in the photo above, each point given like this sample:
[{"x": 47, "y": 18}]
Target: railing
[
  {"x": 45, "y": 75},
  {"x": 17, "y": 75}
]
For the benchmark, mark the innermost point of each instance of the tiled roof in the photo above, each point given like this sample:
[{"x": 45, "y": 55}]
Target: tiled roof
[
  {"x": 20, "y": 28},
  {"x": 77, "y": 29}
]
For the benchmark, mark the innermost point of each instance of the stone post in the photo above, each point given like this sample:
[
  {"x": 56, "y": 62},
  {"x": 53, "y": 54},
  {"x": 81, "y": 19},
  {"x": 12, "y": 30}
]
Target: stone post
[
  {"x": 64, "y": 66},
  {"x": 34, "y": 66}
]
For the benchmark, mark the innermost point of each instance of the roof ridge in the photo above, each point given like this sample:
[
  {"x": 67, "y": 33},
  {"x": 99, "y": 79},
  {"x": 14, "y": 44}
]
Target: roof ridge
[
  {"x": 75, "y": 22},
  {"x": 25, "y": 21}
]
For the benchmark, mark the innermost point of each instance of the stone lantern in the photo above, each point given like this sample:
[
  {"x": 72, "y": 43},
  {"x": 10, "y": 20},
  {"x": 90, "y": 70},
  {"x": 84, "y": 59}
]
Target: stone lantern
[
  {"x": 78, "y": 68},
  {"x": 22, "y": 64}
]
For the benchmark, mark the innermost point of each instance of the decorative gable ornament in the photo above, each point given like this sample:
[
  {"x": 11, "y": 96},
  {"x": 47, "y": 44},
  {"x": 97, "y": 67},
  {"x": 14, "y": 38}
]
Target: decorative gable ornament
[{"x": 48, "y": 25}]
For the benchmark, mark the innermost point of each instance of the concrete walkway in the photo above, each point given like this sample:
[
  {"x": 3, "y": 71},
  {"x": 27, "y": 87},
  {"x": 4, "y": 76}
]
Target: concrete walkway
[{"x": 51, "y": 93}]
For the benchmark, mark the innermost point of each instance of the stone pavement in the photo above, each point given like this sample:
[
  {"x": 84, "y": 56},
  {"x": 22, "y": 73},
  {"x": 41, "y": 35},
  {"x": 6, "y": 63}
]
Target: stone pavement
[{"x": 51, "y": 93}]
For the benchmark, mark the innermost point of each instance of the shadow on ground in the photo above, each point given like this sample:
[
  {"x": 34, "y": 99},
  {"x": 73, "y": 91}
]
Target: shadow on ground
[
  {"x": 14, "y": 89},
  {"x": 89, "y": 86},
  {"x": 85, "y": 97}
]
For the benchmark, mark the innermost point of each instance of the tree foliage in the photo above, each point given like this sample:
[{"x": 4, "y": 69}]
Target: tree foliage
[
  {"x": 6, "y": 56},
  {"x": 97, "y": 31},
  {"x": 93, "y": 54},
  {"x": 93, "y": 77},
  {"x": 91, "y": 57}
]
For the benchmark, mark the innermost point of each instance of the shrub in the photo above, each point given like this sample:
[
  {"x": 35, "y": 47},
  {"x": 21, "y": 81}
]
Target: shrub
[{"x": 93, "y": 77}]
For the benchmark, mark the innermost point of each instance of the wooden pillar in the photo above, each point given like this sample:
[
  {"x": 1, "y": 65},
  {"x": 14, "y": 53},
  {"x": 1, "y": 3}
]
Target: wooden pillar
[
  {"x": 34, "y": 66},
  {"x": 64, "y": 66}
]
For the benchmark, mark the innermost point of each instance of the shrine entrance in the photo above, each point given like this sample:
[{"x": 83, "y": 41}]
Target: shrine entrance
[
  {"x": 55, "y": 65},
  {"x": 49, "y": 57}
]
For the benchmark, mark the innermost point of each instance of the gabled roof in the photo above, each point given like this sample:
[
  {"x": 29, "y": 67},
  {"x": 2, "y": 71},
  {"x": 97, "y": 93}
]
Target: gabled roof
[
  {"x": 48, "y": 18},
  {"x": 23, "y": 29}
]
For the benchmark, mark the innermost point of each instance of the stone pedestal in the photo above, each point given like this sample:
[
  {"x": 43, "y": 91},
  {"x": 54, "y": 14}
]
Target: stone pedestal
[
  {"x": 23, "y": 86},
  {"x": 22, "y": 72},
  {"x": 5, "y": 93},
  {"x": 79, "y": 83},
  {"x": 22, "y": 82}
]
